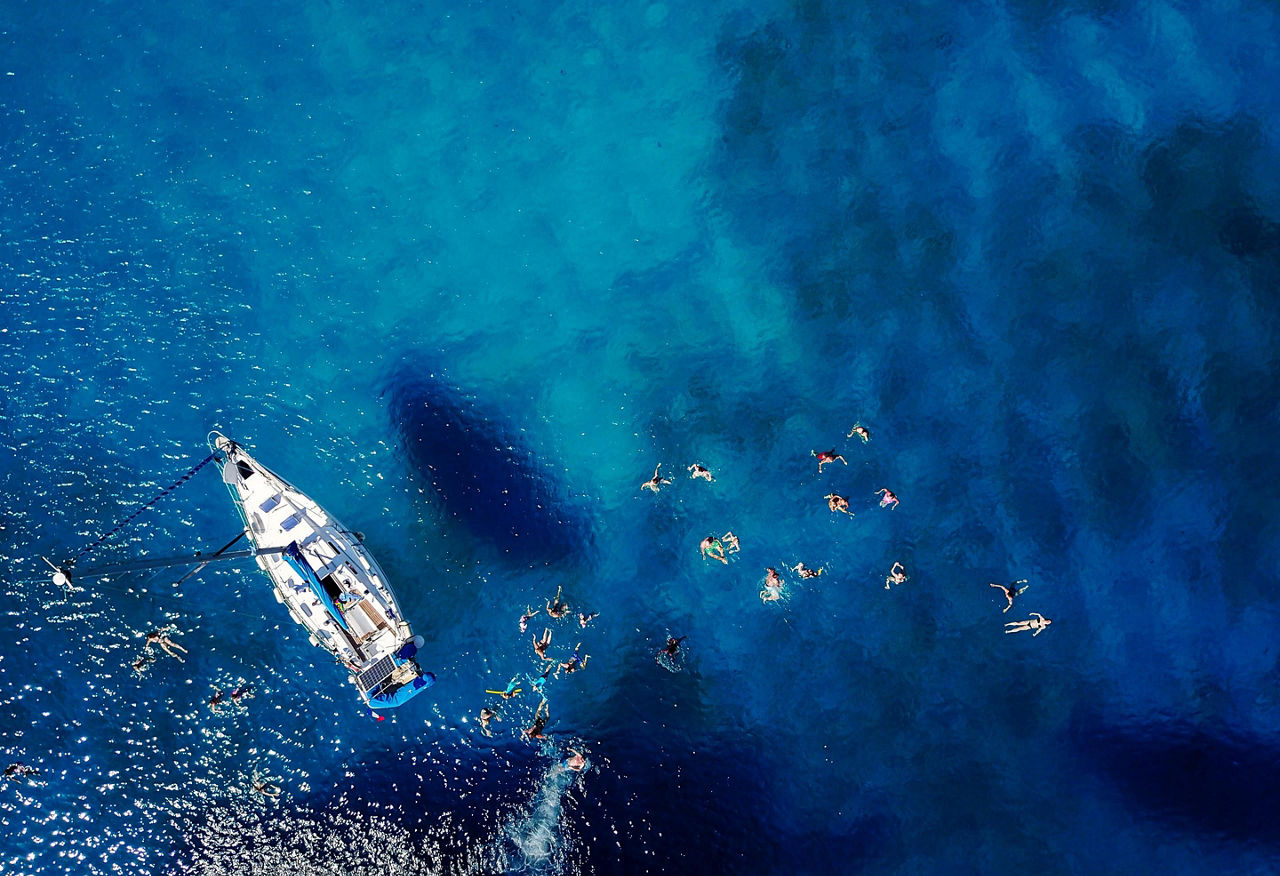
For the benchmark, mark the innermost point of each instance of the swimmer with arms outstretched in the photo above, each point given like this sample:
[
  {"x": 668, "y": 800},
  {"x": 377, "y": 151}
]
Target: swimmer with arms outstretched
[
  {"x": 1037, "y": 622},
  {"x": 1010, "y": 592}
]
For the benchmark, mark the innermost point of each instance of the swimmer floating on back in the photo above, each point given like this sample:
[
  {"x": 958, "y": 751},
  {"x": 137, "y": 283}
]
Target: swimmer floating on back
[
  {"x": 731, "y": 543},
  {"x": 887, "y": 498},
  {"x": 1010, "y": 592},
  {"x": 697, "y": 470},
  {"x": 584, "y": 619},
  {"x": 861, "y": 431},
  {"x": 1037, "y": 622},
  {"x": 827, "y": 456},
  {"x": 656, "y": 482},
  {"x": 805, "y": 572}
]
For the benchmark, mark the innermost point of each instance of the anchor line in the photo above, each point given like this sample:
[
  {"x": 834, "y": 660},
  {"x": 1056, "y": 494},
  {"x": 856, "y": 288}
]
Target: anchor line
[{"x": 166, "y": 491}]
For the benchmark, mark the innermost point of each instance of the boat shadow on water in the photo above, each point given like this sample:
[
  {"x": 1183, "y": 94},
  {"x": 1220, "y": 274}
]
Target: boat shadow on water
[{"x": 483, "y": 471}]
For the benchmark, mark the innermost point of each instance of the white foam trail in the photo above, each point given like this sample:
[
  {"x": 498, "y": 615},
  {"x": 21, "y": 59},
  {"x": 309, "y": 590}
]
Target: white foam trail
[{"x": 537, "y": 838}]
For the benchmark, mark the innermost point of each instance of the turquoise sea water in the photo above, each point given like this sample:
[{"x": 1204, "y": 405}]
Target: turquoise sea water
[{"x": 1033, "y": 247}]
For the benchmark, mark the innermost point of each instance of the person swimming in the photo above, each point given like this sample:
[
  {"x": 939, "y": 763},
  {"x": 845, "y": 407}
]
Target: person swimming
[
  {"x": 897, "y": 575},
  {"x": 838, "y": 503},
  {"x": 217, "y": 699},
  {"x": 805, "y": 572},
  {"x": 584, "y": 619},
  {"x": 539, "y": 722},
  {"x": 513, "y": 688},
  {"x": 536, "y": 684},
  {"x": 161, "y": 637},
  {"x": 673, "y": 646},
  {"x": 713, "y": 548},
  {"x": 827, "y": 456},
  {"x": 487, "y": 715},
  {"x": 573, "y": 664},
  {"x": 529, "y": 612},
  {"x": 540, "y": 645},
  {"x": 887, "y": 498},
  {"x": 575, "y": 761},
  {"x": 697, "y": 470},
  {"x": 656, "y": 482},
  {"x": 16, "y": 772},
  {"x": 861, "y": 431},
  {"x": 556, "y": 608},
  {"x": 1037, "y": 622},
  {"x": 143, "y": 663},
  {"x": 1010, "y": 592},
  {"x": 731, "y": 543},
  {"x": 266, "y": 785}
]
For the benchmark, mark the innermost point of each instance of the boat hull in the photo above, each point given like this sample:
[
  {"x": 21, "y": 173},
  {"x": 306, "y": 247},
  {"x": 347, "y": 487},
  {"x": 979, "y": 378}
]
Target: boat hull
[{"x": 330, "y": 584}]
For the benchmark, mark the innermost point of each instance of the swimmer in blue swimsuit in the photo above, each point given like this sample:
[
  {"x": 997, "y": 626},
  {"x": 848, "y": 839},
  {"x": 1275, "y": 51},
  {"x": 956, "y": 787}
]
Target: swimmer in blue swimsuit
[{"x": 572, "y": 665}]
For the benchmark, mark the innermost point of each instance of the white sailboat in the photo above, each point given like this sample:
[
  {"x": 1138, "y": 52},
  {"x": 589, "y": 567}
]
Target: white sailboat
[{"x": 324, "y": 576}]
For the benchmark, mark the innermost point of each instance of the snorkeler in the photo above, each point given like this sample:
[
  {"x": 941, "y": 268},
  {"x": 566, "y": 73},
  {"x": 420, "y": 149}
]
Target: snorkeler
[
  {"x": 556, "y": 608},
  {"x": 838, "y": 503},
  {"x": 826, "y": 456},
  {"x": 673, "y": 646},
  {"x": 539, "y": 722},
  {"x": 266, "y": 785},
  {"x": 161, "y": 637},
  {"x": 584, "y": 619},
  {"x": 573, "y": 664},
  {"x": 713, "y": 548},
  {"x": 656, "y": 482},
  {"x": 540, "y": 645},
  {"x": 529, "y": 612},
  {"x": 1010, "y": 592},
  {"x": 897, "y": 575},
  {"x": 487, "y": 715},
  {"x": 697, "y": 470},
  {"x": 536, "y": 684},
  {"x": 805, "y": 572},
  {"x": 1037, "y": 623},
  {"x": 731, "y": 543},
  {"x": 18, "y": 771},
  {"x": 887, "y": 498},
  {"x": 861, "y": 431}
]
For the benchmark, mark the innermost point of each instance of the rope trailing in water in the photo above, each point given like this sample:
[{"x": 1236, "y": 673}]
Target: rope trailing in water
[{"x": 166, "y": 491}]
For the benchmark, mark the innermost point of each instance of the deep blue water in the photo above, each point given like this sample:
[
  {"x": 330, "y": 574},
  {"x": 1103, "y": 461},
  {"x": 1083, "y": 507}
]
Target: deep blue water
[{"x": 467, "y": 274}]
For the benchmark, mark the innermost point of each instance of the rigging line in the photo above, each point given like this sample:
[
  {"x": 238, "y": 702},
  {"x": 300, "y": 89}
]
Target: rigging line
[
  {"x": 216, "y": 554},
  {"x": 179, "y": 482}
]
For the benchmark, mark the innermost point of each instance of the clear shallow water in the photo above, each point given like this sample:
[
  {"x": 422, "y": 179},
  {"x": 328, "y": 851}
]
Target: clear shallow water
[{"x": 1032, "y": 247}]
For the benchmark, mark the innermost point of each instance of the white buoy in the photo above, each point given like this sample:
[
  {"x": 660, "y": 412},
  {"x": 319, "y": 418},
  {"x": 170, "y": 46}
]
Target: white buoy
[{"x": 60, "y": 578}]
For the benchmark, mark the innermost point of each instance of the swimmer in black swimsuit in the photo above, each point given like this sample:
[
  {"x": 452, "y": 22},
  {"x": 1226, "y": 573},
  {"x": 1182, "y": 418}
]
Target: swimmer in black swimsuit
[
  {"x": 539, "y": 723},
  {"x": 1010, "y": 592},
  {"x": 656, "y": 482},
  {"x": 556, "y": 608}
]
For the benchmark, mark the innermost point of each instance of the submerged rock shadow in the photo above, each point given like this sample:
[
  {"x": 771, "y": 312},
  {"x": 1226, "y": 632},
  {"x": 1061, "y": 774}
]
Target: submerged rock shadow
[
  {"x": 483, "y": 471},
  {"x": 1215, "y": 782}
]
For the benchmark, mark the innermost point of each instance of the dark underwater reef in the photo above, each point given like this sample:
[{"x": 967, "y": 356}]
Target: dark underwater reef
[
  {"x": 1210, "y": 780},
  {"x": 483, "y": 471}
]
